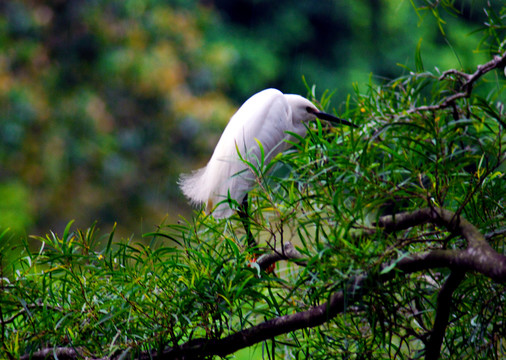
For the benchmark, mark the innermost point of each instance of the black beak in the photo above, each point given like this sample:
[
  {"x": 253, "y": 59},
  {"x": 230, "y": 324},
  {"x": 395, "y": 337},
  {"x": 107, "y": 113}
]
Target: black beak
[{"x": 332, "y": 118}]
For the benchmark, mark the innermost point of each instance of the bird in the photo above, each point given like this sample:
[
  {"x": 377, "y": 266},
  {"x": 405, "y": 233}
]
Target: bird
[{"x": 264, "y": 124}]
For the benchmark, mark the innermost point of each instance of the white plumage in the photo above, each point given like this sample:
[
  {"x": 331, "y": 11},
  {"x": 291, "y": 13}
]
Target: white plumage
[{"x": 266, "y": 117}]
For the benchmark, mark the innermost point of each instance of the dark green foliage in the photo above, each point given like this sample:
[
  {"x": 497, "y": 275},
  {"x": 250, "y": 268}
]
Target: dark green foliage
[{"x": 128, "y": 296}]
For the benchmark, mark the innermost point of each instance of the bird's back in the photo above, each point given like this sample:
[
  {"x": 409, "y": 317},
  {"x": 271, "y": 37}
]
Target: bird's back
[{"x": 264, "y": 118}]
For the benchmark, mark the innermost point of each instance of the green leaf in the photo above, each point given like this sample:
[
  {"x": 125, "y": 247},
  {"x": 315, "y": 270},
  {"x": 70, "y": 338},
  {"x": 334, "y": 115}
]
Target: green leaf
[{"x": 418, "y": 57}]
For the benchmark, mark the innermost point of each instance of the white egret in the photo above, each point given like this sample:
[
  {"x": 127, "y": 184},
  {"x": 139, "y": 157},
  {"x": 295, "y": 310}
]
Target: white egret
[{"x": 266, "y": 118}]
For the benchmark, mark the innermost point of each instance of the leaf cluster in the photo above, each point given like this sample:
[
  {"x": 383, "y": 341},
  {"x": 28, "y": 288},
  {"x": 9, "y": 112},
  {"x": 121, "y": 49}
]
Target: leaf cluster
[{"x": 101, "y": 296}]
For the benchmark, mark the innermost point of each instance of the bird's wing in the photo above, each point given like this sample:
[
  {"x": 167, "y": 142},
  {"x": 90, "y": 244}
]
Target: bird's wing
[
  {"x": 263, "y": 118},
  {"x": 267, "y": 126}
]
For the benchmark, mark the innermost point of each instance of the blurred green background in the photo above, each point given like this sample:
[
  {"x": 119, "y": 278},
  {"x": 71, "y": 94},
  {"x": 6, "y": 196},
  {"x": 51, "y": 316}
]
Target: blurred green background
[{"x": 104, "y": 103}]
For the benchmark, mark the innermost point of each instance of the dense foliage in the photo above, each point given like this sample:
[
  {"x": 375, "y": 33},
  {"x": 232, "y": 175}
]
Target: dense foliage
[{"x": 398, "y": 235}]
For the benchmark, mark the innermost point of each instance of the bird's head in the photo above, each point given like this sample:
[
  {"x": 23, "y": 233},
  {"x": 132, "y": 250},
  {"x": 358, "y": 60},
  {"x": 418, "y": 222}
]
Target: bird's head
[{"x": 304, "y": 111}]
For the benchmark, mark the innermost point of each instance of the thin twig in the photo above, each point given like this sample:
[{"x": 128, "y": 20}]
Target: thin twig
[
  {"x": 37, "y": 305},
  {"x": 467, "y": 87},
  {"x": 495, "y": 233}
]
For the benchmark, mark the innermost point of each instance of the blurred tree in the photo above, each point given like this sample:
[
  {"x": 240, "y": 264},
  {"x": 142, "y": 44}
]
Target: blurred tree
[
  {"x": 100, "y": 103},
  {"x": 334, "y": 43}
]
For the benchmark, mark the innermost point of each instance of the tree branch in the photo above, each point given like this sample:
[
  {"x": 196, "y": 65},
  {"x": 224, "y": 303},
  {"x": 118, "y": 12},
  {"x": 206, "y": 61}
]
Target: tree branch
[
  {"x": 467, "y": 87},
  {"x": 438, "y": 216},
  {"x": 433, "y": 348},
  {"x": 287, "y": 252},
  {"x": 339, "y": 301},
  {"x": 318, "y": 315},
  {"x": 478, "y": 256}
]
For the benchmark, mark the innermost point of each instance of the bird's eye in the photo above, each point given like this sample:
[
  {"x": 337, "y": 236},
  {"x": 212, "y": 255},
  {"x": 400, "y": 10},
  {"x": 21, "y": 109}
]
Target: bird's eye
[{"x": 309, "y": 110}]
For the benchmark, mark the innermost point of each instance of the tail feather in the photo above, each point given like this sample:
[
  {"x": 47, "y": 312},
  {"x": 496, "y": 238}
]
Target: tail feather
[
  {"x": 201, "y": 187},
  {"x": 193, "y": 186}
]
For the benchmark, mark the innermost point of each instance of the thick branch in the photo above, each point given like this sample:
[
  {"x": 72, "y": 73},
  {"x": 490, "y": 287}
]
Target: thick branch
[
  {"x": 287, "y": 252},
  {"x": 339, "y": 301},
  {"x": 479, "y": 256},
  {"x": 433, "y": 349},
  {"x": 437, "y": 216},
  {"x": 318, "y": 315}
]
